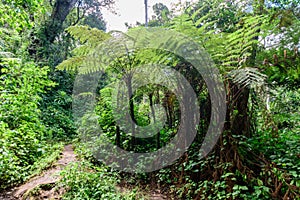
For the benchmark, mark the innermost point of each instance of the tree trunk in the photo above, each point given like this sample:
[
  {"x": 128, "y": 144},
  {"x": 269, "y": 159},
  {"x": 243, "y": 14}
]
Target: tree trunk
[
  {"x": 154, "y": 120},
  {"x": 61, "y": 10},
  {"x": 118, "y": 136},
  {"x": 131, "y": 110},
  {"x": 240, "y": 122}
]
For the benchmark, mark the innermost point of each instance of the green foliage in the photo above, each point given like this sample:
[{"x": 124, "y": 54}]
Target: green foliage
[
  {"x": 21, "y": 86},
  {"x": 82, "y": 182},
  {"x": 8, "y": 43},
  {"x": 104, "y": 109},
  {"x": 57, "y": 115},
  {"x": 89, "y": 38},
  {"x": 282, "y": 147},
  {"x": 286, "y": 70},
  {"x": 161, "y": 17},
  {"x": 243, "y": 42},
  {"x": 21, "y": 128},
  {"x": 16, "y": 150},
  {"x": 50, "y": 153},
  {"x": 230, "y": 185},
  {"x": 17, "y": 14}
]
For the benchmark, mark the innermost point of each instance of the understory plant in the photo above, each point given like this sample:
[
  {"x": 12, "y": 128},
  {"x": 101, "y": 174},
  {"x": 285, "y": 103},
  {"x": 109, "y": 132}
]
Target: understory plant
[
  {"x": 21, "y": 130},
  {"x": 85, "y": 181}
]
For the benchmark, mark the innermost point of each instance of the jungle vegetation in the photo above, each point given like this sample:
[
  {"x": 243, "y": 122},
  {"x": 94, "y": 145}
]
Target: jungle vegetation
[{"x": 45, "y": 45}]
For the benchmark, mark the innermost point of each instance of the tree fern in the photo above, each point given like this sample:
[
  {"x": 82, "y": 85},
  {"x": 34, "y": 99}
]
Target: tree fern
[{"x": 89, "y": 39}]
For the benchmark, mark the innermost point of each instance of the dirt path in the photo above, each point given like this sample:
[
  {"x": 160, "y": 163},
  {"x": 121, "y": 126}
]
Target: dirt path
[
  {"x": 44, "y": 181},
  {"x": 42, "y": 187}
]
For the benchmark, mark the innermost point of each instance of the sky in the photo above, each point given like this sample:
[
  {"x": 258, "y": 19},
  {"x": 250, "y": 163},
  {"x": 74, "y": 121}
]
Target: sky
[{"x": 131, "y": 11}]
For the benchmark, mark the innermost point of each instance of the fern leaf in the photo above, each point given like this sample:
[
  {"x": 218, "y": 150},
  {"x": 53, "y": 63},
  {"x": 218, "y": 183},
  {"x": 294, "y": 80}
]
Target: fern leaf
[
  {"x": 248, "y": 77},
  {"x": 72, "y": 64}
]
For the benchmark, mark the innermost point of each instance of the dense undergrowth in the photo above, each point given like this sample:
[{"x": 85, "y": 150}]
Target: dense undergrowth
[
  {"x": 22, "y": 133},
  {"x": 27, "y": 144},
  {"x": 86, "y": 181},
  {"x": 251, "y": 175}
]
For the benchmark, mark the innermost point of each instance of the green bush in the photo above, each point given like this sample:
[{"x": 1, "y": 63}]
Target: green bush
[
  {"x": 83, "y": 183},
  {"x": 21, "y": 130},
  {"x": 57, "y": 115}
]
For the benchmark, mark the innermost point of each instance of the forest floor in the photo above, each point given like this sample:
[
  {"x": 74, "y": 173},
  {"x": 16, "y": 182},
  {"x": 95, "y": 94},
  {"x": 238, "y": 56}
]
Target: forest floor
[{"x": 42, "y": 187}]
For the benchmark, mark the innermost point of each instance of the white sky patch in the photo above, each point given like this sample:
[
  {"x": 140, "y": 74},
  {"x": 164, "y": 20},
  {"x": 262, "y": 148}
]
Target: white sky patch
[{"x": 131, "y": 11}]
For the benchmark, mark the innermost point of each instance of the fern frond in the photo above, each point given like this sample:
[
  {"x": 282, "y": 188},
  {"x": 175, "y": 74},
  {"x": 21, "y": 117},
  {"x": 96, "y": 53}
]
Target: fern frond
[
  {"x": 72, "y": 64},
  {"x": 240, "y": 43},
  {"x": 85, "y": 34},
  {"x": 89, "y": 38},
  {"x": 82, "y": 50},
  {"x": 248, "y": 77}
]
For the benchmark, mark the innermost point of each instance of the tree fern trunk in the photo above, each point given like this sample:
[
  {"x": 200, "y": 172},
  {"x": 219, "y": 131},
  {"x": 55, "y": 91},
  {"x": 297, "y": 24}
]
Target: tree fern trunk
[
  {"x": 240, "y": 122},
  {"x": 118, "y": 136},
  {"x": 131, "y": 109}
]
